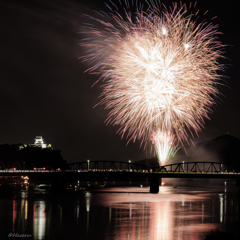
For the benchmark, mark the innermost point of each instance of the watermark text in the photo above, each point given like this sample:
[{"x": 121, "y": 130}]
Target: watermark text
[{"x": 19, "y": 235}]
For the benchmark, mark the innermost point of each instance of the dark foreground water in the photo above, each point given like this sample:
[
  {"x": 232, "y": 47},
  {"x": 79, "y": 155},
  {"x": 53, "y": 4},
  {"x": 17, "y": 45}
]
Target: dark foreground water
[{"x": 120, "y": 213}]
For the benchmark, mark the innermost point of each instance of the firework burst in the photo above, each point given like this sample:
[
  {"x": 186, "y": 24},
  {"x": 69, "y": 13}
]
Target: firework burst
[
  {"x": 164, "y": 146},
  {"x": 158, "y": 70}
]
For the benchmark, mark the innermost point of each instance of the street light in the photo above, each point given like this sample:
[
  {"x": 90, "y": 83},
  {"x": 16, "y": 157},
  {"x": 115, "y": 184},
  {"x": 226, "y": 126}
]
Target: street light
[
  {"x": 88, "y": 161},
  {"x": 129, "y": 161},
  {"x": 183, "y": 166}
]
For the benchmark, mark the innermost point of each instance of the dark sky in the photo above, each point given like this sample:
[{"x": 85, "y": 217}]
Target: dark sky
[{"x": 45, "y": 92}]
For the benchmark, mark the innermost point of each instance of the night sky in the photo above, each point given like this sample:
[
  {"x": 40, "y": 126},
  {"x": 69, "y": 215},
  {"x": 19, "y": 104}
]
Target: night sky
[{"x": 44, "y": 91}]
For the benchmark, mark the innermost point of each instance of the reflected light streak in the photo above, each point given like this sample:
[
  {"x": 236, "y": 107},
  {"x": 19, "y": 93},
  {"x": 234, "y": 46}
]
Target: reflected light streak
[
  {"x": 26, "y": 209},
  {"x": 221, "y": 207},
  {"x": 134, "y": 230},
  {"x": 202, "y": 212},
  {"x": 22, "y": 207},
  {"x": 88, "y": 199},
  {"x": 39, "y": 220},
  {"x": 225, "y": 207},
  {"x": 14, "y": 214},
  {"x": 162, "y": 216},
  {"x": 183, "y": 202},
  {"x": 110, "y": 214},
  {"x": 78, "y": 210},
  {"x": 160, "y": 222},
  {"x": 130, "y": 210}
]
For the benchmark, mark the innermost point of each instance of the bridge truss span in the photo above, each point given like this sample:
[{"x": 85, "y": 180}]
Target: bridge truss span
[
  {"x": 200, "y": 167},
  {"x": 114, "y": 166},
  {"x": 175, "y": 168}
]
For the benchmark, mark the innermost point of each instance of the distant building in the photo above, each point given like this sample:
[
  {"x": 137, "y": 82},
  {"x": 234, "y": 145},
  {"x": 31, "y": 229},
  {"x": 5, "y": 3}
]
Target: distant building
[{"x": 38, "y": 142}]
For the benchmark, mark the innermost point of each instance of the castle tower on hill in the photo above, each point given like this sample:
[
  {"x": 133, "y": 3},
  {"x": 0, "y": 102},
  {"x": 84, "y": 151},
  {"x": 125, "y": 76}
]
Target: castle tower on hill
[{"x": 38, "y": 142}]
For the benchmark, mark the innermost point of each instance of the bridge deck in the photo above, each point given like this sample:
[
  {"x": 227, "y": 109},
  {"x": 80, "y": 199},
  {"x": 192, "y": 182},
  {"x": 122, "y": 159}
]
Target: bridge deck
[
  {"x": 117, "y": 174},
  {"x": 95, "y": 169}
]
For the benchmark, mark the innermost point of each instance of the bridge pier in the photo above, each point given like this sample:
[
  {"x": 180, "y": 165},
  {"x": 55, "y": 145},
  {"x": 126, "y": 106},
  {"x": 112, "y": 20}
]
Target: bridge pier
[{"x": 154, "y": 184}]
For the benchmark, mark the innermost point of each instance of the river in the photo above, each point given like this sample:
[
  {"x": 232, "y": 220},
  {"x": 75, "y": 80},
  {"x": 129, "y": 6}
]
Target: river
[{"x": 112, "y": 213}]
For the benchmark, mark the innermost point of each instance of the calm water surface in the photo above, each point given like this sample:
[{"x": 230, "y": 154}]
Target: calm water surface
[{"x": 120, "y": 213}]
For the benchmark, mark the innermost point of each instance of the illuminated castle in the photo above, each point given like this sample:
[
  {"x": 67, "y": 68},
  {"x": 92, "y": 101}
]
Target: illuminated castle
[{"x": 38, "y": 142}]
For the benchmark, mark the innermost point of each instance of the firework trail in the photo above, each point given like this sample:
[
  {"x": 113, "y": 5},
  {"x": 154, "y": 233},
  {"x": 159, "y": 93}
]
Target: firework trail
[
  {"x": 164, "y": 145},
  {"x": 159, "y": 71}
]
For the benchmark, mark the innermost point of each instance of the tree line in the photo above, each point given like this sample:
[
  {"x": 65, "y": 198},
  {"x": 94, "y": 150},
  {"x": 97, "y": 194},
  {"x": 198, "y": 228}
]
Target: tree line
[{"x": 22, "y": 156}]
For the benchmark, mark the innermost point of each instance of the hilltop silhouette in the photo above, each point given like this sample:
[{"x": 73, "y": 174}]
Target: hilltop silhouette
[
  {"x": 22, "y": 156},
  {"x": 223, "y": 149}
]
